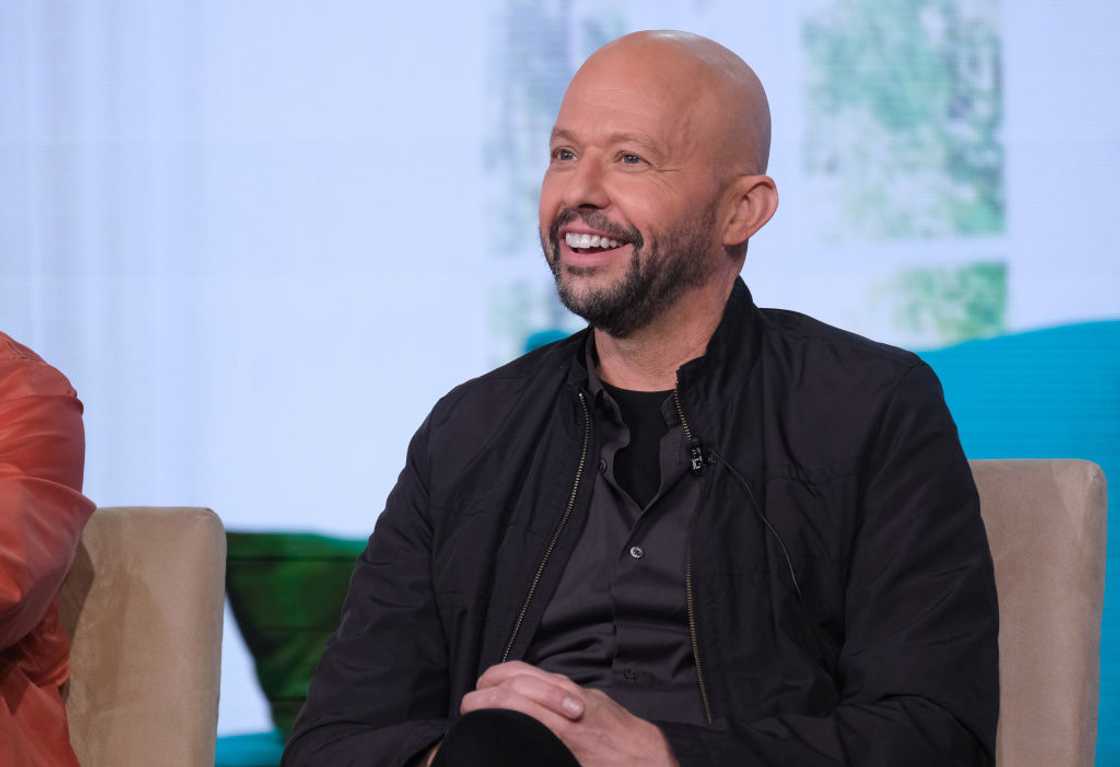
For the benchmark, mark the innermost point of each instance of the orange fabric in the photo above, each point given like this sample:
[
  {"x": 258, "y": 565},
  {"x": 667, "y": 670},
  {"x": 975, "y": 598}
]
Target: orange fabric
[{"x": 42, "y": 512}]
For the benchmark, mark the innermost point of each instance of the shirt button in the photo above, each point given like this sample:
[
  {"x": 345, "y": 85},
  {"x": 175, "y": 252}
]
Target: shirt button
[{"x": 636, "y": 552}]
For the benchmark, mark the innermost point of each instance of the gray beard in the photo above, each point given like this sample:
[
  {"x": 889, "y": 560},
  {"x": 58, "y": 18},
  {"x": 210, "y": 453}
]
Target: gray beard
[{"x": 656, "y": 277}]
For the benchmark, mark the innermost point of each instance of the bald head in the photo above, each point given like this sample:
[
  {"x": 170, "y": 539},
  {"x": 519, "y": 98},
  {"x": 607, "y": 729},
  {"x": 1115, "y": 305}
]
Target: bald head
[
  {"x": 655, "y": 181},
  {"x": 718, "y": 96}
]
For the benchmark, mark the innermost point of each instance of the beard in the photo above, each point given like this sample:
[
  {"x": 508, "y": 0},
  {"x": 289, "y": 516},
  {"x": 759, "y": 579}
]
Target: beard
[{"x": 673, "y": 262}]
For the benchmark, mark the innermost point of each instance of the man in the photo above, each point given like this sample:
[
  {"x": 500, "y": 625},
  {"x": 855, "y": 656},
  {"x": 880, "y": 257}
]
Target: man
[
  {"x": 696, "y": 533},
  {"x": 42, "y": 513}
]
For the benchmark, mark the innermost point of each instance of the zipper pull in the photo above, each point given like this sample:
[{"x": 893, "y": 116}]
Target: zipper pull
[{"x": 695, "y": 456}]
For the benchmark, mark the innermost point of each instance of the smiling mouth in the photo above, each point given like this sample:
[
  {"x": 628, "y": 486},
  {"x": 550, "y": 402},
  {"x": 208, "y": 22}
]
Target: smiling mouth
[{"x": 590, "y": 243}]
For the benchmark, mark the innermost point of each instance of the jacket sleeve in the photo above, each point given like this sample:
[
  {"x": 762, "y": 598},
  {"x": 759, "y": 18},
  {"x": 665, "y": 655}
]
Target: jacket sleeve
[
  {"x": 42, "y": 509},
  {"x": 918, "y": 669},
  {"x": 380, "y": 693}
]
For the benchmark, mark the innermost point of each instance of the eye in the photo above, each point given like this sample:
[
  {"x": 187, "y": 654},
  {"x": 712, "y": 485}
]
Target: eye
[
  {"x": 629, "y": 158},
  {"x": 563, "y": 154}
]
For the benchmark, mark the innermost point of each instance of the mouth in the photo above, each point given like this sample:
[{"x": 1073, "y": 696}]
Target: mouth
[
  {"x": 582, "y": 242},
  {"x": 589, "y": 248}
]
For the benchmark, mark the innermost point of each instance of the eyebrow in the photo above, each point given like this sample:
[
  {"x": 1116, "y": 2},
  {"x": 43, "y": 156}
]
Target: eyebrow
[{"x": 621, "y": 137}]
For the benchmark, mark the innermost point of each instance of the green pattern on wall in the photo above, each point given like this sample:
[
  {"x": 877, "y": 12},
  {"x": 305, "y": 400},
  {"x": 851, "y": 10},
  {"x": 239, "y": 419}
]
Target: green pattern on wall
[
  {"x": 949, "y": 304},
  {"x": 904, "y": 117}
]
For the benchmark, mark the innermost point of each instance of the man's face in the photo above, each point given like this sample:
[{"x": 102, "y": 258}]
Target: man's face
[{"x": 628, "y": 203}]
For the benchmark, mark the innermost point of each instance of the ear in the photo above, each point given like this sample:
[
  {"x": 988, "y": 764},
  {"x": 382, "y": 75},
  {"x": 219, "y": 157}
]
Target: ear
[{"x": 753, "y": 201}]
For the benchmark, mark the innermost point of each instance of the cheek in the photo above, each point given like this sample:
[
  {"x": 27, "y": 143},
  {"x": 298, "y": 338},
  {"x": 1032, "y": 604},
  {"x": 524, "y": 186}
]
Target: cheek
[
  {"x": 643, "y": 200},
  {"x": 547, "y": 209}
]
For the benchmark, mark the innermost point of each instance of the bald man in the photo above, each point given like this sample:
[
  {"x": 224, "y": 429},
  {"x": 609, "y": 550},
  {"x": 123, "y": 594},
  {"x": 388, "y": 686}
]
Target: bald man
[{"x": 697, "y": 532}]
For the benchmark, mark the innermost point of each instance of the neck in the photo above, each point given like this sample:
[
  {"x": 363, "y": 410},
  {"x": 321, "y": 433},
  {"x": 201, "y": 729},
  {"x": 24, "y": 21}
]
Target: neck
[{"x": 647, "y": 360}]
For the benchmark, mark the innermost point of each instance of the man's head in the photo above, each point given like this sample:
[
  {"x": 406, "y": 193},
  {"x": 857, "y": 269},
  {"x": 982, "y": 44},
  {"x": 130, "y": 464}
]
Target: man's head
[{"x": 656, "y": 177}]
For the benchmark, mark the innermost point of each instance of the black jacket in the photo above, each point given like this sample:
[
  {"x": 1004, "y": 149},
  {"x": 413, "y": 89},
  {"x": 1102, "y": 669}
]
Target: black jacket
[{"x": 839, "y": 575}]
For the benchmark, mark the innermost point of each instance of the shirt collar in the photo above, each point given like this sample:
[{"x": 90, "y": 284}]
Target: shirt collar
[{"x": 602, "y": 398}]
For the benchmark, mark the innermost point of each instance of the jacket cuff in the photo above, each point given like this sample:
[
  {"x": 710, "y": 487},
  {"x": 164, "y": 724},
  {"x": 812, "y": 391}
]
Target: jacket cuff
[{"x": 427, "y": 734}]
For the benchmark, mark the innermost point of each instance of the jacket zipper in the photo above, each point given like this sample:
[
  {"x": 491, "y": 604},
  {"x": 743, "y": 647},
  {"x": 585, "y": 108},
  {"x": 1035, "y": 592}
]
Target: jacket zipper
[
  {"x": 696, "y": 464},
  {"x": 695, "y": 452},
  {"x": 559, "y": 529}
]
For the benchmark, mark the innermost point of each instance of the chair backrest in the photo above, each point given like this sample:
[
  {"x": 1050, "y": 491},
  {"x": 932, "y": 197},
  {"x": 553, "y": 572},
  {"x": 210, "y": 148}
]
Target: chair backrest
[
  {"x": 1046, "y": 527},
  {"x": 143, "y": 603}
]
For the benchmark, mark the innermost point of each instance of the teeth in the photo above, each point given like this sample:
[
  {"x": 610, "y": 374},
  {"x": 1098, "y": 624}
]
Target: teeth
[{"x": 584, "y": 241}]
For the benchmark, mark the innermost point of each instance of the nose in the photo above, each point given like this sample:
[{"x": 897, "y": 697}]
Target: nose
[{"x": 585, "y": 185}]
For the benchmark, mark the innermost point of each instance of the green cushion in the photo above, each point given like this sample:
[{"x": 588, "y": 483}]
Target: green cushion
[{"x": 286, "y": 591}]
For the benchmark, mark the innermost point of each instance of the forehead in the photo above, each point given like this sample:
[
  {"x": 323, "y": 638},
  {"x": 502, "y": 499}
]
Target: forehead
[{"x": 600, "y": 105}]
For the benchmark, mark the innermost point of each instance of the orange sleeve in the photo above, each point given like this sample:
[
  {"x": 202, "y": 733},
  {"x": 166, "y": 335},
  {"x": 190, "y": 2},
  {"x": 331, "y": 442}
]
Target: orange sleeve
[{"x": 42, "y": 509}]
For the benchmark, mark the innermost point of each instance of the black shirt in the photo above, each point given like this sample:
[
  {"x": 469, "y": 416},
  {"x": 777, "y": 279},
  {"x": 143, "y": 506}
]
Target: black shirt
[
  {"x": 618, "y": 620},
  {"x": 637, "y": 466}
]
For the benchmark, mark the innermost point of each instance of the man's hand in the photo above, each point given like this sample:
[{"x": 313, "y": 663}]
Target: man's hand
[{"x": 598, "y": 731}]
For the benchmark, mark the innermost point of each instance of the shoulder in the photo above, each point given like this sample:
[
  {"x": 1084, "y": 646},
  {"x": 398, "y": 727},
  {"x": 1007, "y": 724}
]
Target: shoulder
[
  {"x": 498, "y": 390},
  {"x": 833, "y": 390},
  {"x": 511, "y": 400},
  {"x": 829, "y": 357},
  {"x": 23, "y": 373},
  {"x": 41, "y": 432},
  {"x": 851, "y": 404},
  {"x": 813, "y": 336}
]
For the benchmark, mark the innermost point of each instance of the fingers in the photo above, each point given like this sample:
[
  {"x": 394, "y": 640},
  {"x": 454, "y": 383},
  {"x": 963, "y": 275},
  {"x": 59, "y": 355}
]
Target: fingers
[
  {"x": 535, "y": 683},
  {"x": 496, "y": 675},
  {"x": 540, "y": 689},
  {"x": 505, "y": 698}
]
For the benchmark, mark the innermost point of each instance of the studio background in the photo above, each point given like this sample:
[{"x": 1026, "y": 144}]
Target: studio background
[{"x": 262, "y": 238}]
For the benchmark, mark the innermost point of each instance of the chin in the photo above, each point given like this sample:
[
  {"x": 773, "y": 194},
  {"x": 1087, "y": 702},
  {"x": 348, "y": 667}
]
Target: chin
[
  {"x": 598, "y": 273},
  {"x": 583, "y": 281}
]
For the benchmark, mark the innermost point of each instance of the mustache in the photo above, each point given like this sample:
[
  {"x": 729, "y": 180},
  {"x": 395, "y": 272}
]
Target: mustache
[{"x": 595, "y": 220}]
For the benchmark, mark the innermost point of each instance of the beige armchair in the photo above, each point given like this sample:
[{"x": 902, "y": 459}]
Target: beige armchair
[
  {"x": 143, "y": 603},
  {"x": 1046, "y": 527}
]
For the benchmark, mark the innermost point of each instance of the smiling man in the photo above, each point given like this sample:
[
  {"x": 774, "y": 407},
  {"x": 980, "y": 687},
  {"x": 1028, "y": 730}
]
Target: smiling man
[{"x": 697, "y": 532}]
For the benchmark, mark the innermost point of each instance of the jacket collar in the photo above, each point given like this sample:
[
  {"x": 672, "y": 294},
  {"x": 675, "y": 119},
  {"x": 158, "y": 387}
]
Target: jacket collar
[{"x": 725, "y": 365}]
